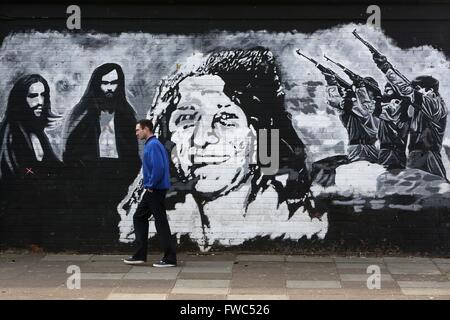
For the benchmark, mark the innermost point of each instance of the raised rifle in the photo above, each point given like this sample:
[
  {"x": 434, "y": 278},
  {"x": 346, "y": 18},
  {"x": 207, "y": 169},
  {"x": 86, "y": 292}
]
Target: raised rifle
[
  {"x": 341, "y": 82},
  {"x": 377, "y": 53},
  {"x": 356, "y": 77}
]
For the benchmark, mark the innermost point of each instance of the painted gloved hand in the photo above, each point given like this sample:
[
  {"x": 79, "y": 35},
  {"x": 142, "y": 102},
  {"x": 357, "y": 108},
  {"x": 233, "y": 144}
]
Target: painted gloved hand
[{"x": 381, "y": 62}]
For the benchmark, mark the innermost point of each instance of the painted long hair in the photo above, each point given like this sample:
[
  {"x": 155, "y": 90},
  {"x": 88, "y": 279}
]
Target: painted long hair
[
  {"x": 18, "y": 124},
  {"x": 252, "y": 82}
]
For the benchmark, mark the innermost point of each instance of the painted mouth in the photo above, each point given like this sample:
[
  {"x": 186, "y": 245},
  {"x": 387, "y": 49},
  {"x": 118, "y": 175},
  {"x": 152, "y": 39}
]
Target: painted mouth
[{"x": 210, "y": 159}]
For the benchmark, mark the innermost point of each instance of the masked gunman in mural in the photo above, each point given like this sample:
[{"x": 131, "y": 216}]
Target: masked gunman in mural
[
  {"x": 209, "y": 116},
  {"x": 355, "y": 107},
  {"x": 428, "y": 121},
  {"x": 354, "y": 103},
  {"x": 27, "y": 160},
  {"x": 392, "y": 110},
  {"x": 101, "y": 151}
]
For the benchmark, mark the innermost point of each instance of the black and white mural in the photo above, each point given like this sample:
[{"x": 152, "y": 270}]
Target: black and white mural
[{"x": 282, "y": 136}]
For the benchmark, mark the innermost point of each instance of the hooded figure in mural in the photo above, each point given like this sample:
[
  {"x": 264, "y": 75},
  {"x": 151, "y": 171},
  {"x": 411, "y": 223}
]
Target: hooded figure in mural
[
  {"x": 101, "y": 155},
  {"x": 28, "y": 163},
  {"x": 211, "y": 117}
]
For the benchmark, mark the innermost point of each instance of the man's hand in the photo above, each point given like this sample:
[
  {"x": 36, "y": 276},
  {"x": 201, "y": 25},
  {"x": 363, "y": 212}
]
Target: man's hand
[
  {"x": 381, "y": 62},
  {"x": 330, "y": 79},
  {"x": 347, "y": 103},
  {"x": 358, "y": 82}
]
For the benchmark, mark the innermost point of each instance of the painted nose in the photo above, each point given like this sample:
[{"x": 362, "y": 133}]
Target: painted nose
[
  {"x": 204, "y": 135},
  {"x": 40, "y": 100}
]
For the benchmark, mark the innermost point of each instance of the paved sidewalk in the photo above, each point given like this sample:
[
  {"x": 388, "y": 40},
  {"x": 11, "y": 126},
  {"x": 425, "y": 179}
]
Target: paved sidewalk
[{"x": 223, "y": 276}]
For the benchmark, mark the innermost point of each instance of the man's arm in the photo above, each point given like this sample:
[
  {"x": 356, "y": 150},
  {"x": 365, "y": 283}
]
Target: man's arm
[
  {"x": 157, "y": 166},
  {"x": 364, "y": 106},
  {"x": 334, "y": 96},
  {"x": 393, "y": 76},
  {"x": 430, "y": 107}
]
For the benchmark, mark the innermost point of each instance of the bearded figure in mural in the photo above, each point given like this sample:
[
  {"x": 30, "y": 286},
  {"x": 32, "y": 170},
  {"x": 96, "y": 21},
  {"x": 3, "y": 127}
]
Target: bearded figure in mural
[
  {"x": 98, "y": 127},
  {"x": 210, "y": 116},
  {"x": 28, "y": 163},
  {"x": 101, "y": 155},
  {"x": 24, "y": 144}
]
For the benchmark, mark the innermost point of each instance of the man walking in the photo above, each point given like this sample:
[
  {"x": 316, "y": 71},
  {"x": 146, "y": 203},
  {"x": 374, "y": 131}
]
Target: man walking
[{"x": 155, "y": 168}]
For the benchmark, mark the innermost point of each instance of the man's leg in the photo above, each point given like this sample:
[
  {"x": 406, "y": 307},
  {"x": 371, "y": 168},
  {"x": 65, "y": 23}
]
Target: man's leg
[
  {"x": 162, "y": 225},
  {"x": 140, "y": 221}
]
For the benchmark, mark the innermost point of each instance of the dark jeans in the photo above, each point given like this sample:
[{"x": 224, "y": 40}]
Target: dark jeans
[{"x": 152, "y": 203}]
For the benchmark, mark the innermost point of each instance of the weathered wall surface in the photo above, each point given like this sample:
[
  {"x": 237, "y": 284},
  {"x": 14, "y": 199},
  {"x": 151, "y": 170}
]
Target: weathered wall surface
[{"x": 213, "y": 87}]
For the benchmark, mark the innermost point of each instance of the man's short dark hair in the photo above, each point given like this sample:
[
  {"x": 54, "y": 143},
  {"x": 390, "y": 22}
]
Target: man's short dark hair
[{"x": 145, "y": 123}]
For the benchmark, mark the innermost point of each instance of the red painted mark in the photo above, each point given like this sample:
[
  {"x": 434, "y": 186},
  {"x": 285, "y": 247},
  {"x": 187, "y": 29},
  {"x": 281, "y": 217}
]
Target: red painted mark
[{"x": 29, "y": 170}]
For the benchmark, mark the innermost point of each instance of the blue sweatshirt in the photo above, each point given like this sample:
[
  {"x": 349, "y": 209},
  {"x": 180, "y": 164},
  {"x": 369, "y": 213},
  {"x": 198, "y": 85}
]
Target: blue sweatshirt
[{"x": 155, "y": 165}]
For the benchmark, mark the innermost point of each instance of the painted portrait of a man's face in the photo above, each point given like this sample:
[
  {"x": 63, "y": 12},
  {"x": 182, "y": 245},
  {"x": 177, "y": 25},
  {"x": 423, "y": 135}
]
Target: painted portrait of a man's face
[
  {"x": 109, "y": 83},
  {"x": 214, "y": 142},
  {"x": 36, "y": 98}
]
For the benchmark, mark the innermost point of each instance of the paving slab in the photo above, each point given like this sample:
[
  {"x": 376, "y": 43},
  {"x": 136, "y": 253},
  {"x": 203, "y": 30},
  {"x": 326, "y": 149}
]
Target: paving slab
[
  {"x": 195, "y": 283},
  {"x": 419, "y": 277},
  {"x": 364, "y": 277},
  {"x": 136, "y": 296},
  {"x": 443, "y": 267},
  {"x": 204, "y": 275},
  {"x": 144, "y": 286},
  {"x": 309, "y": 259},
  {"x": 101, "y": 276},
  {"x": 313, "y": 276},
  {"x": 83, "y": 294},
  {"x": 296, "y": 284},
  {"x": 150, "y": 276},
  {"x": 413, "y": 268},
  {"x": 441, "y": 260},
  {"x": 203, "y": 291},
  {"x": 257, "y": 297},
  {"x": 144, "y": 269},
  {"x": 406, "y": 260},
  {"x": 210, "y": 264},
  {"x": 178, "y": 296},
  {"x": 108, "y": 257},
  {"x": 258, "y": 290},
  {"x": 257, "y": 283},
  {"x": 207, "y": 269},
  {"x": 183, "y": 286},
  {"x": 262, "y": 258},
  {"x": 369, "y": 260},
  {"x": 206, "y": 257},
  {"x": 67, "y": 257},
  {"x": 316, "y": 297},
  {"x": 424, "y": 284},
  {"x": 426, "y": 292},
  {"x": 355, "y": 265},
  {"x": 314, "y": 292}
]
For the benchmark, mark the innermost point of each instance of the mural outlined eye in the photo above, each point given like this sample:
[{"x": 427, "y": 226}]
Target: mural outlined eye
[
  {"x": 186, "y": 119},
  {"x": 224, "y": 119}
]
